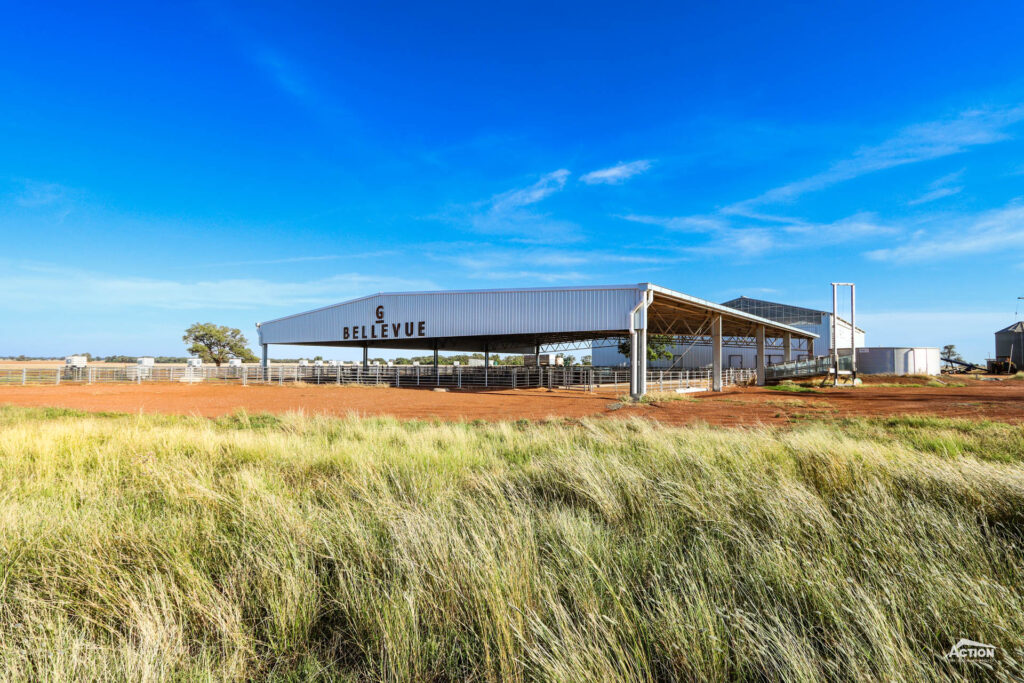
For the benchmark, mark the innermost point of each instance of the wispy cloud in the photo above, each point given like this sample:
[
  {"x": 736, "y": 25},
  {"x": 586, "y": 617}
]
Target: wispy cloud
[
  {"x": 511, "y": 212},
  {"x": 543, "y": 188},
  {"x": 544, "y": 263},
  {"x": 35, "y": 286},
  {"x": 990, "y": 231},
  {"x": 34, "y": 194},
  {"x": 284, "y": 73},
  {"x": 767, "y": 233},
  {"x": 299, "y": 259},
  {"x": 942, "y": 187},
  {"x": 920, "y": 142},
  {"x": 617, "y": 174}
]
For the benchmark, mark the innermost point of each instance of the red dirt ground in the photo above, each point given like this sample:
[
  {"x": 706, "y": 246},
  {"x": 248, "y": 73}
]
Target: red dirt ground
[{"x": 747, "y": 406}]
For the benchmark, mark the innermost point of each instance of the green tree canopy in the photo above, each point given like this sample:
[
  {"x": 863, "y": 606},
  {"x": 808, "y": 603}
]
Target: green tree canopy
[
  {"x": 217, "y": 343},
  {"x": 658, "y": 346},
  {"x": 949, "y": 351}
]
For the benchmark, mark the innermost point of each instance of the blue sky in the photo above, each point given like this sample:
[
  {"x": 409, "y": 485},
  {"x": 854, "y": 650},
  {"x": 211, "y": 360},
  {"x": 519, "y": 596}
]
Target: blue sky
[{"x": 162, "y": 165}]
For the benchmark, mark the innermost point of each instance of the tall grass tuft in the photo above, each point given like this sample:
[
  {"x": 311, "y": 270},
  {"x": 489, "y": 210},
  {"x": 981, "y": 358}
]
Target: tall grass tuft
[{"x": 291, "y": 547}]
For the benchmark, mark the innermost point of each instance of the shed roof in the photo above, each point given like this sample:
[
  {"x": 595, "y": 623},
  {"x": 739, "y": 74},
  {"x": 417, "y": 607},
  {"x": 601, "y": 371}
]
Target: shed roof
[{"x": 510, "y": 319}]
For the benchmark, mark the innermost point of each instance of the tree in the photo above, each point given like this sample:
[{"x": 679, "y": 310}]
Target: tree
[
  {"x": 569, "y": 360},
  {"x": 217, "y": 343},
  {"x": 658, "y": 346},
  {"x": 586, "y": 360},
  {"x": 949, "y": 351}
]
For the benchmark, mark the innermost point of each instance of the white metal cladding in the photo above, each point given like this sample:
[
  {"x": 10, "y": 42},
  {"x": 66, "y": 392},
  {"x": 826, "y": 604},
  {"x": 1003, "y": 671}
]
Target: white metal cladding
[
  {"x": 463, "y": 314},
  {"x": 885, "y": 360}
]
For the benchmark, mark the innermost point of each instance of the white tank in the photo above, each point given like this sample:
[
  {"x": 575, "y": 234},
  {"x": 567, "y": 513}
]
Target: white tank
[{"x": 898, "y": 360}]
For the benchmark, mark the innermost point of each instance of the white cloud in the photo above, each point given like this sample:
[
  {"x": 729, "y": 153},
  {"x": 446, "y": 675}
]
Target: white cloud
[
  {"x": 940, "y": 188},
  {"x": 681, "y": 223},
  {"x": 616, "y": 174},
  {"x": 920, "y": 142},
  {"x": 543, "y": 188},
  {"x": 766, "y": 233},
  {"x": 986, "y": 232},
  {"x": 509, "y": 213},
  {"x": 35, "y": 287},
  {"x": 935, "y": 194}
]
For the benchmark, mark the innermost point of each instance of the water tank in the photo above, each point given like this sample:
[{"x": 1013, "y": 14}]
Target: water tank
[
  {"x": 76, "y": 361},
  {"x": 234, "y": 362},
  {"x": 145, "y": 361},
  {"x": 194, "y": 362},
  {"x": 898, "y": 360}
]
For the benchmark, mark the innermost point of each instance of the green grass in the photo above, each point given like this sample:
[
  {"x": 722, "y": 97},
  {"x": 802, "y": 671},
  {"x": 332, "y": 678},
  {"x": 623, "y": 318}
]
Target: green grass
[
  {"x": 295, "y": 548},
  {"x": 793, "y": 388}
]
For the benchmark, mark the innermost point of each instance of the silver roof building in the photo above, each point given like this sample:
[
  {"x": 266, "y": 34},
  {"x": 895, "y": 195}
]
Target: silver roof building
[{"x": 522, "y": 320}]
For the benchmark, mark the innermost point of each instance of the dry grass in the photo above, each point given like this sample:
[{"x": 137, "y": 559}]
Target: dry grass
[{"x": 153, "y": 548}]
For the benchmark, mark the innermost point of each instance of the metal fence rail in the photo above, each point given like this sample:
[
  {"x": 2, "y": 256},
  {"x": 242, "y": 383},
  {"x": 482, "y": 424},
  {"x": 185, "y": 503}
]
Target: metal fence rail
[
  {"x": 812, "y": 367},
  {"x": 411, "y": 376}
]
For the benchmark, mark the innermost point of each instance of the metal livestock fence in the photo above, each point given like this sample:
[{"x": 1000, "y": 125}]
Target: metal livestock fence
[{"x": 411, "y": 376}]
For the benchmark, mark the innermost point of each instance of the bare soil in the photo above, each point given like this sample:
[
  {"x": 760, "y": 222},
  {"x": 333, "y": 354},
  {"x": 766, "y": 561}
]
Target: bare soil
[{"x": 739, "y": 406}]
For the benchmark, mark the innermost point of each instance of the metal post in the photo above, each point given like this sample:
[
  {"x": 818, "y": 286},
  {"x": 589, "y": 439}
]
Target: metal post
[
  {"x": 57, "y": 377},
  {"x": 366, "y": 356},
  {"x": 633, "y": 386},
  {"x": 835, "y": 346},
  {"x": 487, "y": 361},
  {"x": 853, "y": 332},
  {"x": 642, "y": 356},
  {"x": 89, "y": 375},
  {"x": 716, "y": 353},
  {"x": 787, "y": 346},
  {"x": 24, "y": 376},
  {"x": 266, "y": 359},
  {"x": 435, "y": 358},
  {"x": 762, "y": 365}
]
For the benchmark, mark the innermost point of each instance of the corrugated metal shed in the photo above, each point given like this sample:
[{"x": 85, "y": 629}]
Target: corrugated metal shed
[{"x": 503, "y": 319}]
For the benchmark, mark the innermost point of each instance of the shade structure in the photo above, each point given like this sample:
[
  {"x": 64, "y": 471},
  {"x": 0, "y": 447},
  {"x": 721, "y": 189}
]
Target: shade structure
[{"x": 523, "y": 320}]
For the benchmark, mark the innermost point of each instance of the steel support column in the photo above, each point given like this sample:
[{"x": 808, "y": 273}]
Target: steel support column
[
  {"x": 716, "y": 353},
  {"x": 641, "y": 359},
  {"x": 633, "y": 387},
  {"x": 787, "y": 347},
  {"x": 762, "y": 363},
  {"x": 266, "y": 360},
  {"x": 487, "y": 362},
  {"x": 366, "y": 356}
]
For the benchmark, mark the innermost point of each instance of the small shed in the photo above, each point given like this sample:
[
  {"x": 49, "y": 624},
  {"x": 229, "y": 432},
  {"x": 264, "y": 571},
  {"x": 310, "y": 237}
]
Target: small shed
[{"x": 1010, "y": 344}]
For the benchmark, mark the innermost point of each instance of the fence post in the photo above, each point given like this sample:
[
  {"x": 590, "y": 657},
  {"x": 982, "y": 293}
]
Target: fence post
[
  {"x": 24, "y": 375},
  {"x": 89, "y": 375},
  {"x": 513, "y": 378},
  {"x": 460, "y": 376},
  {"x": 245, "y": 374},
  {"x": 398, "y": 378},
  {"x": 57, "y": 377}
]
